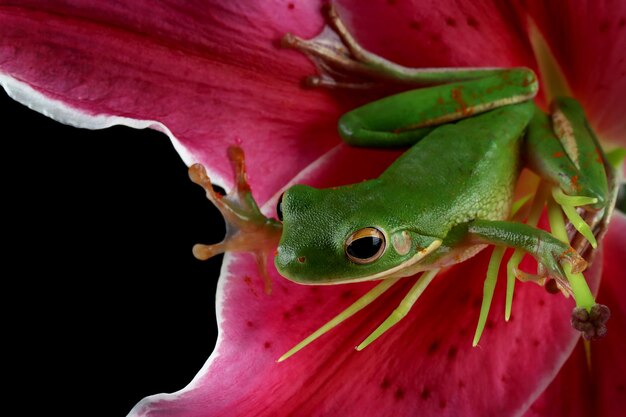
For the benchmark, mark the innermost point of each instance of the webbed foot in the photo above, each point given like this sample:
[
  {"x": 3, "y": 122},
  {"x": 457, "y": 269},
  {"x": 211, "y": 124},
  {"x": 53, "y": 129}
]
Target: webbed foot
[
  {"x": 343, "y": 63},
  {"x": 340, "y": 60},
  {"x": 247, "y": 229}
]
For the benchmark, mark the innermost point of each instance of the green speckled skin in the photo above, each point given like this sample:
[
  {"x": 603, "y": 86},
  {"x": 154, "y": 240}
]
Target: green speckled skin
[
  {"x": 472, "y": 179},
  {"x": 456, "y": 172}
]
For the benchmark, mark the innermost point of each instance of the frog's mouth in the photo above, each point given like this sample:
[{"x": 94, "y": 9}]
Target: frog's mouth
[{"x": 389, "y": 273}]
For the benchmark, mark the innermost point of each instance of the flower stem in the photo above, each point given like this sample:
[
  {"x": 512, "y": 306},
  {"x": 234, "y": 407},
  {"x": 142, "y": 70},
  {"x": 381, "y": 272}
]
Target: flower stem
[
  {"x": 488, "y": 289},
  {"x": 580, "y": 289}
]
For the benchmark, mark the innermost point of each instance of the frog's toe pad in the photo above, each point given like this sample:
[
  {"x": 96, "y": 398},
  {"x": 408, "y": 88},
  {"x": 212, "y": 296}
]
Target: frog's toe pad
[
  {"x": 204, "y": 252},
  {"x": 592, "y": 324},
  {"x": 340, "y": 61}
]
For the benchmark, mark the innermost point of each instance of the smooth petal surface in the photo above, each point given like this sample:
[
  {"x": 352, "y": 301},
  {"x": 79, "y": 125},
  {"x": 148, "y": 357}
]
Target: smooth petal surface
[
  {"x": 208, "y": 73},
  {"x": 441, "y": 33},
  {"x": 601, "y": 390},
  {"x": 425, "y": 363}
]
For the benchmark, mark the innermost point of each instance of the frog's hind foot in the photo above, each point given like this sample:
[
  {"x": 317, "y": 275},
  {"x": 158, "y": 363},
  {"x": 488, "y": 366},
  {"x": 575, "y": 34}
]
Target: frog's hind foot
[
  {"x": 569, "y": 205},
  {"x": 597, "y": 221},
  {"x": 585, "y": 180},
  {"x": 586, "y": 225},
  {"x": 341, "y": 61},
  {"x": 247, "y": 229}
]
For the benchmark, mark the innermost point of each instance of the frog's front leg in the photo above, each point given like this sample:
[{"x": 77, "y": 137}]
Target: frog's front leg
[
  {"x": 559, "y": 260},
  {"x": 247, "y": 229}
]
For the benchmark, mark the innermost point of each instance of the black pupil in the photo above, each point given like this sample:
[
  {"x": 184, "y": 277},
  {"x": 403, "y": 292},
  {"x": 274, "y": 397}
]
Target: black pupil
[
  {"x": 365, "y": 247},
  {"x": 279, "y": 208}
]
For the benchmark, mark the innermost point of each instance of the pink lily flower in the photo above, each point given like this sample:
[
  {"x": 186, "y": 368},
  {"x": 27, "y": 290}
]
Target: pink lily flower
[{"x": 209, "y": 75}]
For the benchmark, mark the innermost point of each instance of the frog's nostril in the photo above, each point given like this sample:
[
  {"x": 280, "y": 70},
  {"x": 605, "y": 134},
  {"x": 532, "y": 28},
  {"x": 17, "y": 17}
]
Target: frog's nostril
[{"x": 286, "y": 258}]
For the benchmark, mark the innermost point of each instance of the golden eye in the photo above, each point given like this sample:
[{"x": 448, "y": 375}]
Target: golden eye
[{"x": 365, "y": 245}]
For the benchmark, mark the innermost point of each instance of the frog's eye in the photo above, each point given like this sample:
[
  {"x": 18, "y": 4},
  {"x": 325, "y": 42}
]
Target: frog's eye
[
  {"x": 279, "y": 207},
  {"x": 365, "y": 245}
]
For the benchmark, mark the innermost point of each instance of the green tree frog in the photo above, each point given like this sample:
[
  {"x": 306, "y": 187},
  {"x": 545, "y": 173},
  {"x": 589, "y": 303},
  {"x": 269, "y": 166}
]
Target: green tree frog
[{"x": 469, "y": 132}]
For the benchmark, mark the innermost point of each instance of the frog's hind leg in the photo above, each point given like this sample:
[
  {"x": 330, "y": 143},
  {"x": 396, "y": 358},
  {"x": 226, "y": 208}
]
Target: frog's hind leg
[
  {"x": 577, "y": 181},
  {"x": 404, "y": 118},
  {"x": 343, "y": 62},
  {"x": 563, "y": 149}
]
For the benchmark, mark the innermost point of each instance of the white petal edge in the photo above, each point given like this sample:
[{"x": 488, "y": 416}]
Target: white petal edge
[
  {"x": 143, "y": 407},
  {"x": 59, "y": 111},
  {"x": 63, "y": 113}
]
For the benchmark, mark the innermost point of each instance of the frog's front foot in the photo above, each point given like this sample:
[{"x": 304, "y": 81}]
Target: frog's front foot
[
  {"x": 341, "y": 61},
  {"x": 247, "y": 229}
]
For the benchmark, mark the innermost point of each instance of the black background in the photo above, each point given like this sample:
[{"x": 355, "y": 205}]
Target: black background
[{"x": 100, "y": 284}]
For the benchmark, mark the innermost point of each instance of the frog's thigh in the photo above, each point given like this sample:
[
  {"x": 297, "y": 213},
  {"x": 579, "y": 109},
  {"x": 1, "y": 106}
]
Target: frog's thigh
[
  {"x": 405, "y": 118},
  {"x": 563, "y": 149}
]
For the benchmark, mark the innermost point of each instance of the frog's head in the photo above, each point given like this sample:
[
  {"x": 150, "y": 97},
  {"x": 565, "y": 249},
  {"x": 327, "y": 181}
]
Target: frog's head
[{"x": 345, "y": 234}]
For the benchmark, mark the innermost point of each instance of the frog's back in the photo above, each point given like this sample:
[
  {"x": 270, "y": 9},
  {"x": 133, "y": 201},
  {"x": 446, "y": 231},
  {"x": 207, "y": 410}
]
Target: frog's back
[{"x": 461, "y": 171}]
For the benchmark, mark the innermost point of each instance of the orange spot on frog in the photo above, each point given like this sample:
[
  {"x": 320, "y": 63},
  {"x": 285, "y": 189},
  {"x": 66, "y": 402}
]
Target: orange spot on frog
[{"x": 457, "y": 96}]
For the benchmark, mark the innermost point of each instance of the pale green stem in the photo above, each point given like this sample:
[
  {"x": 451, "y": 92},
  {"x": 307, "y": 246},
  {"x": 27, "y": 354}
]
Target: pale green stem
[
  {"x": 571, "y": 200},
  {"x": 569, "y": 209},
  {"x": 580, "y": 289},
  {"x": 511, "y": 267},
  {"x": 518, "y": 204},
  {"x": 357, "y": 306},
  {"x": 554, "y": 82},
  {"x": 488, "y": 289},
  {"x": 403, "y": 308}
]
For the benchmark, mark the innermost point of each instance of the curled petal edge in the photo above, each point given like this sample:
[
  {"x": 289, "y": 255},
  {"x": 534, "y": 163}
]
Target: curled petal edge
[{"x": 72, "y": 116}]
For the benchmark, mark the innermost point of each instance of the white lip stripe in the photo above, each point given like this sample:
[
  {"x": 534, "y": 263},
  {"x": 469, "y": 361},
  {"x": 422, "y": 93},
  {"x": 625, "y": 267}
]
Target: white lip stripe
[{"x": 388, "y": 273}]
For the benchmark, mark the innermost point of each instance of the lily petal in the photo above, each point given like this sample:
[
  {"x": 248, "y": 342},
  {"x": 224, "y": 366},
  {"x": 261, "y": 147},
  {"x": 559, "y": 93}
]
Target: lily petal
[
  {"x": 600, "y": 390},
  {"x": 191, "y": 70},
  {"x": 425, "y": 362},
  {"x": 441, "y": 33}
]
